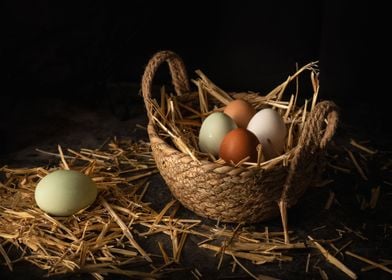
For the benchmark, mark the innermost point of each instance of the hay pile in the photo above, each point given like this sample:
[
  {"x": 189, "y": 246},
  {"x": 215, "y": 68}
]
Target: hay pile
[{"x": 104, "y": 238}]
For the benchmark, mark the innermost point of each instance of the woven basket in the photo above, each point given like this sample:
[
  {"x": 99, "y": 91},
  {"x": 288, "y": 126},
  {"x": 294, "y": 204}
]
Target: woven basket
[{"x": 236, "y": 194}]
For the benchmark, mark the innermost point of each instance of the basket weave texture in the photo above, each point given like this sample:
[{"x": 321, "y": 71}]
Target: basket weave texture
[{"x": 225, "y": 192}]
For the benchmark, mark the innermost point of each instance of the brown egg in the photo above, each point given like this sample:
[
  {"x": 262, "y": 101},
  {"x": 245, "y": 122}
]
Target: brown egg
[
  {"x": 239, "y": 144},
  {"x": 240, "y": 111}
]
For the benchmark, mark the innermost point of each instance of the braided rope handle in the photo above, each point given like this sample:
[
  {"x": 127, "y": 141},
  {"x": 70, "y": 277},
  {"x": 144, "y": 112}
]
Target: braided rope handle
[
  {"x": 177, "y": 70},
  {"x": 315, "y": 136},
  {"x": 314, "y": 139}
]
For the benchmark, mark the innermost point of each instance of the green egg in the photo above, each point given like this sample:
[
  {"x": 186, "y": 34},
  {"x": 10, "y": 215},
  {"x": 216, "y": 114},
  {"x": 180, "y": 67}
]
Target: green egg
[
  {"x": 65, "y": 192},
  {"x": 213, "y": 130}
]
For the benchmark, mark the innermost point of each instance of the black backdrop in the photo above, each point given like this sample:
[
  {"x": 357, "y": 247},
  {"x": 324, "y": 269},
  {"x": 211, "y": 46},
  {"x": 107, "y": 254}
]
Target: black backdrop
[{"x": 71, "y": 51}]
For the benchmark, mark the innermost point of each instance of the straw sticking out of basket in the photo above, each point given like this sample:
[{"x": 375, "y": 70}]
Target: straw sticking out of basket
[{"x": 183, "y": 131}]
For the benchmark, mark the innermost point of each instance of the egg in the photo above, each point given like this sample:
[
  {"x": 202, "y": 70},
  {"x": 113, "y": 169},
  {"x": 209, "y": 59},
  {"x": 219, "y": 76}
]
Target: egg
[
  {"x": 270, "y": 129},
  {"x": 65, "y": 192},
  {"x": 240, "y": 111},
  {"x": 239, "y": 144},
  {"x": 213, "y": 130}
]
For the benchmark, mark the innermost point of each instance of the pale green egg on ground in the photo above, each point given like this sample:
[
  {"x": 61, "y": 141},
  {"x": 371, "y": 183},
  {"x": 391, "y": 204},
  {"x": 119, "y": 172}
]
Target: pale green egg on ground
[{"x": 65, "y": 192}]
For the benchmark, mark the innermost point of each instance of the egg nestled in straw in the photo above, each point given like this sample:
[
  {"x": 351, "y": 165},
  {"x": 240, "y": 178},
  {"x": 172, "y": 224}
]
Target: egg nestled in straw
[
  {"x": 240, "y": 111},
  {"x": 238, "y": 145},
  {"x": 213, "y": 130},
  {"x": 270, "y": 129},
  {"x": 65, "y": 192}
]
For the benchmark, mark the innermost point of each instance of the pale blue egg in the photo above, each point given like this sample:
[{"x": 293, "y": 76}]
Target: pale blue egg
[
  {"x": 65, "y": 192},
  {"x": 213, "y": 130}
]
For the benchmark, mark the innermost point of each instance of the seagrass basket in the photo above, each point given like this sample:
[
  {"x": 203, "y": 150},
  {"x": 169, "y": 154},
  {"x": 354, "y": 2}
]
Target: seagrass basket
[{"x": 225, "y": 192}]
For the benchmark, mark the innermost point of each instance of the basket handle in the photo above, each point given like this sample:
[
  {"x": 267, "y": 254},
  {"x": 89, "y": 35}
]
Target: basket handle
[
  {"x": 177, "y": 70},
  {"x": 315, "y": 136}
]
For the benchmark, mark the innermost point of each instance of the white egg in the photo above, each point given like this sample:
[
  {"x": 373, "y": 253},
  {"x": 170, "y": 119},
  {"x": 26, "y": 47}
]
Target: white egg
[
  {"x": 270, "y": 129},
  {"x": 65, "y": 192}
]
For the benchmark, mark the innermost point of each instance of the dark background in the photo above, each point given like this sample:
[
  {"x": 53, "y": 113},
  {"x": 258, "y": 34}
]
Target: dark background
[
  {"x": 71, "y": 73},
  {"x": 240, "y": 45},
  {"x": 73, "y": 53}
]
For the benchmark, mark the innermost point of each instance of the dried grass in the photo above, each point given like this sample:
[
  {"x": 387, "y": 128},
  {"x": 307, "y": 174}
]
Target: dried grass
[
  {"x": 178, "y": 118},
  {"x": 105, "y": 237}
]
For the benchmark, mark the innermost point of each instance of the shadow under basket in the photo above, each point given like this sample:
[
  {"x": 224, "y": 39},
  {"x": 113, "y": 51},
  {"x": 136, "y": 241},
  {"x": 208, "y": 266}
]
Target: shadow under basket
[{"x": 231, "y": 193}]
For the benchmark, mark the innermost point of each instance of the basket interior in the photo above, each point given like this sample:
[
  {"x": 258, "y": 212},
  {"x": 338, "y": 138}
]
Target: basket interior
[{"x": 177, "y": 118}]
